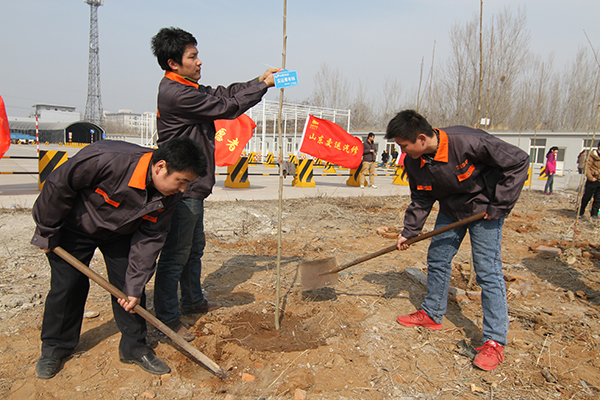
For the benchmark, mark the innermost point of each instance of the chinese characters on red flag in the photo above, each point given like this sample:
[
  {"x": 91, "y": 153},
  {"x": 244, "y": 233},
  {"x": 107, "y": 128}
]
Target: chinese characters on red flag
[
  {"x": 4, "y": 130},
  {"x": 328, "y": 141},
  {"x": 231, "y": 138}
]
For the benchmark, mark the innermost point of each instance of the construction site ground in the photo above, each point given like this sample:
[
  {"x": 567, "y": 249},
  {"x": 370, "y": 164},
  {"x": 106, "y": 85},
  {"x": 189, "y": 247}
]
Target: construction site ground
[{"x": 339, "y": 342}]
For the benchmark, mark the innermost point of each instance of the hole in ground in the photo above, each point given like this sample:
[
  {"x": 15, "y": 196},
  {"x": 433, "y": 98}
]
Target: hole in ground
[{"x": 257, "y": 332}]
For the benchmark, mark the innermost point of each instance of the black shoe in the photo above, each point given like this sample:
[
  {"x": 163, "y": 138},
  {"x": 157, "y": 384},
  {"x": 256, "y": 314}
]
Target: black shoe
[
  {"x": 209, "y": 306},
  {"x": 177, "y": 326},
  {"x": 47, "y": 367},
  {"x": 149, "y": 363}
]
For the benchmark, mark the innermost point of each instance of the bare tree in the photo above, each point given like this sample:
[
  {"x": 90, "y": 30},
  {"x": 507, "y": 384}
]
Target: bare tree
[
  {"x": 515, "y": 90},
  {"x": 510, "y": 51},
  {"x": 391, "y": 100},
  {"x": 579, "y": 91},
  {"x": 331, "y": 88},
  {"x": 459, "y": 84},
  {"x": 458, "y": 81},
  {"x": 361, "y": 109}
]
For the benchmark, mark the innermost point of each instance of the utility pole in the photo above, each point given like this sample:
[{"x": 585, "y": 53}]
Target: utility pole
[{"x": 93, "y": 107}]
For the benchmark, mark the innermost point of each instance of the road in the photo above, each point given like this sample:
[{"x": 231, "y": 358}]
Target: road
[{"x": 21, "y": 190}]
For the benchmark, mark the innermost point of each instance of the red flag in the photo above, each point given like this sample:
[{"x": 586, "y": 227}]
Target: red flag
[
  {"x": 231, "y": 138},
  {"x": 328, "y": 141},
  {"x": 4, "y": 130}
]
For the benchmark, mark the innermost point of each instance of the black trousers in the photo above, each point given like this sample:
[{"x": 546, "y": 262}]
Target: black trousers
[
  {"x": 591, "y": 190},
  {"x": 65, "y": 303}
]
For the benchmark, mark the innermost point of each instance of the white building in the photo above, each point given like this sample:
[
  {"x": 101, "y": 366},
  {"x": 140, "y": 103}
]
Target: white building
[
  {"x": 126, "y": 121},
  {"x": 55, "y": 113}
]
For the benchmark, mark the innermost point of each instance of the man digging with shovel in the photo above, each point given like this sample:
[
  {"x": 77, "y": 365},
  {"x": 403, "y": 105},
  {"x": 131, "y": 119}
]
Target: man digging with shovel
[
  {"x": 117, "y": 197},
  {"x": 468, "y": 171}
]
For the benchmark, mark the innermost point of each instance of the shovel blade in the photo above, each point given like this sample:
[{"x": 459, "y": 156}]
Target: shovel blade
[{"x": 311, "y": 274}]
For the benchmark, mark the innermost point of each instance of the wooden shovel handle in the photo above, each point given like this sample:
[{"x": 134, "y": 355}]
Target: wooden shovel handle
[
  {"x": 408, "y": 242},
  {"x": 194, "y": 352}
]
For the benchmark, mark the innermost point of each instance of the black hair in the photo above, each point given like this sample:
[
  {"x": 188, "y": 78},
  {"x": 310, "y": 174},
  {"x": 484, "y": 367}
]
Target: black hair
[
  {"x": 371, "y": 134},
  {"x": 169, "y": 44},
  {"x": 181, "y": 154},
  {"x": 407, "y": 125},
  {"x": 551, "y": 150}
]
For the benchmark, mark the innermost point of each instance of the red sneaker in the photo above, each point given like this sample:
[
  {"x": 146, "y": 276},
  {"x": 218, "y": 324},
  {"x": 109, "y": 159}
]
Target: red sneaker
[
  {"x": 419, "y": 318},
  {"x": 489, "y": 356}
]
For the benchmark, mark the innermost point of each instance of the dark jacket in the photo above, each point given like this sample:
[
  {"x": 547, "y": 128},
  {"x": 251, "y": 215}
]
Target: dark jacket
[
  {"x": 186, "y": 108},
  {"x": 472, "y": 172},
  {"x": 104, "y": 191},
  {"x": 593, "y": 166},
  {"x": 367, "y": 147}
]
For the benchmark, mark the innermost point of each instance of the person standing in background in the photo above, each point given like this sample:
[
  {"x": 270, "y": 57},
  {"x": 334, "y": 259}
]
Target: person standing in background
[
  {"x": 550, "y": 169},
  {"x": 581, "y": 161},
  {"x": 385, "y": 157},
  {"x": 369, "y": 158},
  {"x": 592, "y": 184}
]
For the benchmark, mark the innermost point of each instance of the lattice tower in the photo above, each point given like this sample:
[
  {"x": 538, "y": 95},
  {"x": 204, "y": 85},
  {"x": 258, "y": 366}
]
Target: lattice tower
[{"x": 93, "y": 107}]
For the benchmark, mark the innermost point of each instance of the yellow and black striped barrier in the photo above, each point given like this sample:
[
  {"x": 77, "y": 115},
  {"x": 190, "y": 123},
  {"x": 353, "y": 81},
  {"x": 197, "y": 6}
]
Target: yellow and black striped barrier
[
  {"x": 270, "y": 161},
  {"x": 19, "y": 172},
  {"x": 304, "y": 174},
  {"x": 529, "y": 173},
  {"x": 48, "y": 162},
  {"x": 543, "y": 176},
  {"x": 237, "y": 175},
  {"x": 293, "y": 159},
  {"x": 400, "y": 177},
  {"x": 21, "y": 157},
  {"x": 252, "y": 158},
  {"x": 354, "y": 178},
  {"x": 329, "y": 169}
]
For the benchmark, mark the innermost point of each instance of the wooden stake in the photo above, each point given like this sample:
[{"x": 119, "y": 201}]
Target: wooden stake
[{"x": 280, "y": 204}]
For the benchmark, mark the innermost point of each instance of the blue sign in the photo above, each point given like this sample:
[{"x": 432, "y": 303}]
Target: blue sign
[{"x": 285, "y": 79}]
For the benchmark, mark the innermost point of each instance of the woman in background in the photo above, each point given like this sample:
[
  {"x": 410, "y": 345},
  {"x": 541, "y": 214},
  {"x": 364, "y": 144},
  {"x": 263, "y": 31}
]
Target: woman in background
[{"x": 550, "y": 169}]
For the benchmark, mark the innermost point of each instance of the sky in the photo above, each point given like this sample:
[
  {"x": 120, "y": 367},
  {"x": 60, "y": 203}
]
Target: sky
[{"x": 44, "y": 44}]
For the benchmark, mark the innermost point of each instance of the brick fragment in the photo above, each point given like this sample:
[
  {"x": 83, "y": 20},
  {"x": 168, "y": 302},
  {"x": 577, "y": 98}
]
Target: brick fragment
[
  {"x": 247, "y": 377},
  {"x": 299, "y": 394}
]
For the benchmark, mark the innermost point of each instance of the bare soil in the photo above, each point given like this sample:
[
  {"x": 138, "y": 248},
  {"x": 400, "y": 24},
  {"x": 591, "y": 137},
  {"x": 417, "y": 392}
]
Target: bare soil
[{"x": 333, "y": 343}]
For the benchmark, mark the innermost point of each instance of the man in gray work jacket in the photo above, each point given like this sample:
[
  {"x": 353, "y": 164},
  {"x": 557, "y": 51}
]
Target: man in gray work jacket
[
  {"x": 186, "y": 108},
  {"x": 117, "y": 197},
  {"x": 368, "y": 164},
  {"x": 468, "y": 171}
]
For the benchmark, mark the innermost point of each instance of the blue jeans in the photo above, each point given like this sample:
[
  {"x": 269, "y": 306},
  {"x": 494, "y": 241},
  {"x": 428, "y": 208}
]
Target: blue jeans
[
  {"x": 180, "y": 262},
  {"x": 486, "y": 238},
  {"x": 549, "y": 184}
]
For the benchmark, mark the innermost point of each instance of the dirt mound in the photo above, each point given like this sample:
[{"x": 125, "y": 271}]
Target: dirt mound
[{"x": 333, "y": 343}]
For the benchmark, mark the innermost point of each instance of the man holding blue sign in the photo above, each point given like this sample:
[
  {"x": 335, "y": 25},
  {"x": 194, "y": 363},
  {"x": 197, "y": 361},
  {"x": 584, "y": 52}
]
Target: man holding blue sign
[{"x": 186, "y": 108}]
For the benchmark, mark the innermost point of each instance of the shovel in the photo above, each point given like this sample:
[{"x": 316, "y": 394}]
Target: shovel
[
  {"x": 321, "y": 273},
  {"x": 194, "y": 352}
]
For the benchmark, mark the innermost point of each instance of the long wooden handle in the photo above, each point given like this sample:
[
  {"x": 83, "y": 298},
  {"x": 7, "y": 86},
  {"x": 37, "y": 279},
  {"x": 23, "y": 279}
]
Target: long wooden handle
[
  {"x": 408, "y": 242},
  {"x": 194, "y": 352}
]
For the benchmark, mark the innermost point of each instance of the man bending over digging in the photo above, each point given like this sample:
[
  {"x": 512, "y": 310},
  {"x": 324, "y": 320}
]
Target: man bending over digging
[{"x": 468, "y": 171}]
